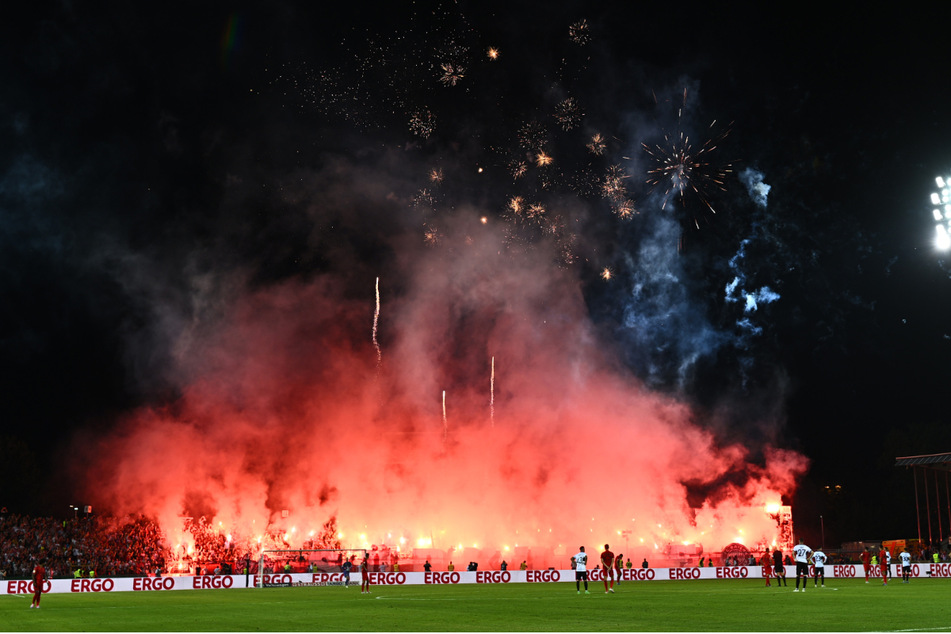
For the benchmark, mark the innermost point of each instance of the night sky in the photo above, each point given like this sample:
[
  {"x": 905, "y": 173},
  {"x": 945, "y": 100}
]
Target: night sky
[{"x": 158, "y": 163}]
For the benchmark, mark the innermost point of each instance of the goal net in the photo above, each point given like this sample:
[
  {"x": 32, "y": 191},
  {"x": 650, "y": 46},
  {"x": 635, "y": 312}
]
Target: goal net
[{"x": 303, "y": 560}]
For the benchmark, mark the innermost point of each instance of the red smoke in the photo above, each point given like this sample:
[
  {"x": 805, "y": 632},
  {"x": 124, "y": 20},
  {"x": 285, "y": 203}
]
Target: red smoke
[{"x": 284, "y": 407}]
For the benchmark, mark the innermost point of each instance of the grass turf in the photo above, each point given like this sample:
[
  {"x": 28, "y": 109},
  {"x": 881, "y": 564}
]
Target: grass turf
[{"x": 715, "y": 605}]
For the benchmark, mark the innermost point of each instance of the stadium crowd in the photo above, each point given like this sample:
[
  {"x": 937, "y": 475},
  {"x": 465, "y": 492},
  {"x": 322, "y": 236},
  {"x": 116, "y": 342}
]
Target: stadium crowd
[
  {"x": 102, "y": 546},
  {"x": 84, "y": 546}
]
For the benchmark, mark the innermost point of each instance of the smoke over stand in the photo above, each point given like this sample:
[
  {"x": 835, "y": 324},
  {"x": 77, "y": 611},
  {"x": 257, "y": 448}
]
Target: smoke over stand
[
  {"x": 287, "y": 411},
  {"x": 282, "y": 404}
]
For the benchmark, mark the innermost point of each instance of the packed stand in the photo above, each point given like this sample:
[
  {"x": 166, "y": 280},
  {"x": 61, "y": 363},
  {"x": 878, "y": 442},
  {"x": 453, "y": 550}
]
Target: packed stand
[{"x": 84, "y": 546}]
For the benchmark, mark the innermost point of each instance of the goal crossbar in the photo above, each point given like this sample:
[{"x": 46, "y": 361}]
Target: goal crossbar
[{"x": 287, "y": 560}]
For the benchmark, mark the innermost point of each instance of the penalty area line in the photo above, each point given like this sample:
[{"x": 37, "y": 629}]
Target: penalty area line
[{"x": 467, "y": 599}]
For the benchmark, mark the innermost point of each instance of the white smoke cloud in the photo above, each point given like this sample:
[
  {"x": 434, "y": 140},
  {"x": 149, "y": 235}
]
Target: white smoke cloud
[
  {"x": 737, "y": 291},
  {"x": 757, "y": 189},
  {"x": 765, "y": 295}
]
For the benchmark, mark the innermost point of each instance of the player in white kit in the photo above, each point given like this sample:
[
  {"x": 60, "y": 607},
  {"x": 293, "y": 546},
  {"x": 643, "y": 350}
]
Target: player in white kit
[
  {"x": 819, "y": 567},
  {"x": 905, "y": 557},
  {"x": 580, "y": 563},
  {"x": 801, "y": 553}
]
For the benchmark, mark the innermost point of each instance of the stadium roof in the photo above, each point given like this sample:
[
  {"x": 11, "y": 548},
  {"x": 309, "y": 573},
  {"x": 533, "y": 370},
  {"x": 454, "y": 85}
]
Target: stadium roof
[{"x": 939, "y": 461}]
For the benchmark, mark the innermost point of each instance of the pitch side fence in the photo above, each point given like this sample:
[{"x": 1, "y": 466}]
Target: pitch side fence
[{"x": 221, "y": 582}]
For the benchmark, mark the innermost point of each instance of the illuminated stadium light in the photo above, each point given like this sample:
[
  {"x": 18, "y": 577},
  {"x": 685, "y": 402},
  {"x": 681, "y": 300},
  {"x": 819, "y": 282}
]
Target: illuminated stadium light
[
  {"x": 942, "y": 240},
  {"x": 941, "y": 210}
]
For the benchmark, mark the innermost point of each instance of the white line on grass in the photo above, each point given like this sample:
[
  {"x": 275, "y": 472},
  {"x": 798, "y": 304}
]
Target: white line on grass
[{"x": 466, "y": 598}]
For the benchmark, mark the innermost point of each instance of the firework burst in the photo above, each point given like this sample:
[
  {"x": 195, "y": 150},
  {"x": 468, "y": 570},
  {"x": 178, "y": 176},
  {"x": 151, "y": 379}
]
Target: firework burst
[
  {"x": 533, "y": 136},
  {"x": 543, "y": 160},
  {"x": 422, "y": 123},
  {"x": 535, "y": 210},
  {"x": 580, "y": 32},
  {"x": 680, "y": 168},
  {"x": 596, "y": 145},
  {"x": 518, "y": 168},
  {"x": 452, "y": 74},
  {"x": 424, "y": 199},
  {"x": 569, "y": 114},
  {"x": 624, "y": 209},
  {"x": 612, "y": 186},
  {"x": 614, "y": 189},
  {"x": 430, "y": 235}
]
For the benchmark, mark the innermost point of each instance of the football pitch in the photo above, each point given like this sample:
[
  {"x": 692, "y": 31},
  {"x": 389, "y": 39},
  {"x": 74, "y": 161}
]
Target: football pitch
[{"x": 657, "y": 606}]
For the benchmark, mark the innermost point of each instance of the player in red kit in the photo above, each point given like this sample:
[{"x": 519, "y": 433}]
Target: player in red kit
[
  {"x": 883, "y": 558},
  {"x": 39, "y": 573},
  {"x": 766, "y": 562},
  {"x": 607, "y": 564},
  {"x": 867, "y": 562},
  {"x": 365, "y": 575}
]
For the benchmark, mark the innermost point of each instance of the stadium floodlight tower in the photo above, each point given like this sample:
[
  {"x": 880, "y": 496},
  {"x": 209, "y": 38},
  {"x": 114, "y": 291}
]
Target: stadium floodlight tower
[{"x": 941, "y": 203}]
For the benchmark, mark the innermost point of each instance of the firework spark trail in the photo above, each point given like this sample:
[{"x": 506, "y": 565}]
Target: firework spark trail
[
  {"x": 376, "y": 321},
  {"x": 492, "y": 393},
  {"x": 445, "y": 421}
]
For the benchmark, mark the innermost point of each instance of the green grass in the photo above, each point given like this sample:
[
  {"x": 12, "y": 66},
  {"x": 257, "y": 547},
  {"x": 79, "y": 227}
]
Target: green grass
[{"x": 720, "y": 605}]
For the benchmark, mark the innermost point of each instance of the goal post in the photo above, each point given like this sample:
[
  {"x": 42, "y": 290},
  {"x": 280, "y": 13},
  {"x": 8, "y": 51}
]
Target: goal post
[{"x": 303, "y": 560}]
